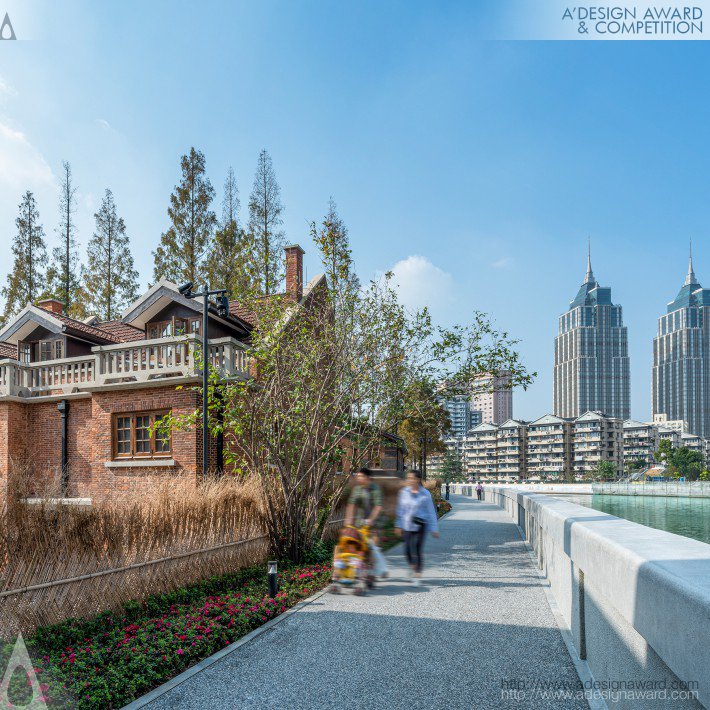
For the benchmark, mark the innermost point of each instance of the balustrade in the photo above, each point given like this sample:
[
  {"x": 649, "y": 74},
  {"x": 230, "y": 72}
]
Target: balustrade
[{"x": 138, "y": 361}]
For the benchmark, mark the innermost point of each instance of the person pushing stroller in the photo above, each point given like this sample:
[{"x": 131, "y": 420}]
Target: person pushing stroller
[{"x": 363, "y": 511}]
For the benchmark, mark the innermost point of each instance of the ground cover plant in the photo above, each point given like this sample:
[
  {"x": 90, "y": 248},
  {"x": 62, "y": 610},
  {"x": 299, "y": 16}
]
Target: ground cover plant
[{"x": 111, "y": 659}]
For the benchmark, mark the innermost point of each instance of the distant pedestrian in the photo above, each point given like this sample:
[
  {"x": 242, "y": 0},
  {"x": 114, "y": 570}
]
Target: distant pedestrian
[
  {"x": 479, "y": 490},
  {"x": 447, "y": 490},
  {"x": 416, "y": 516}
]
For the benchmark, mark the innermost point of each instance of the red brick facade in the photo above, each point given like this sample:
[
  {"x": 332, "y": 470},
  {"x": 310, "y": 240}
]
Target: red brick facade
[{"x": 31, "y": 433}]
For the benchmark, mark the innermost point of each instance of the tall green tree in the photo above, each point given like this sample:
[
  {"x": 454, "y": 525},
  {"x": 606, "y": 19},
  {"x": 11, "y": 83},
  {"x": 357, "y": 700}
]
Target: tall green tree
[
  {"x": 331, "y": 238},
  {"x": 452, "y": 466},
  {"x": 110, "y": 280},
  {"x": 227, "y": 262},
  {"x": 26, "y": 282},
  {"x": 63, "y": 275},
  {"x": 266, "y": 237},
  {"x": 183, "y": 247}
]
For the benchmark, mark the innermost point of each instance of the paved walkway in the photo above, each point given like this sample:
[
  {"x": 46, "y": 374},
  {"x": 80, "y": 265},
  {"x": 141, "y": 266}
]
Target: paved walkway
[{"x": 482, "y": 618}]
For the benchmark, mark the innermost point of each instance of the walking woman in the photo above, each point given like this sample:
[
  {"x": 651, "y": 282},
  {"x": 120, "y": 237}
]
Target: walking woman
[{"x": 415, "y": 517}]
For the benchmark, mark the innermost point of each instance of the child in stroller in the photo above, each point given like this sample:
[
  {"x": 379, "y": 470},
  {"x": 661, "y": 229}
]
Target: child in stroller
[{"x": 351, "y": 561}]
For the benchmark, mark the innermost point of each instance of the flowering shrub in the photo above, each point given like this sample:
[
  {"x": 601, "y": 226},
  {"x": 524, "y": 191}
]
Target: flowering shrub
[
  {"x": 442, "y": 507},
  {"x": 110, "y": 660}
]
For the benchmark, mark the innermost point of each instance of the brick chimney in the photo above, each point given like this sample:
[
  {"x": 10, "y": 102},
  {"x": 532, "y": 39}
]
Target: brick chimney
[
  {"x": 294, "y": 271},
  {"x": 52, "y": 304}
]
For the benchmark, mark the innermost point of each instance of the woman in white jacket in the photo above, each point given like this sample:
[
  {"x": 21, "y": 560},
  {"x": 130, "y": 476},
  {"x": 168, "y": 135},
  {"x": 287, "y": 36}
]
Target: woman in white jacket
[{"x": 416, "y": 516}]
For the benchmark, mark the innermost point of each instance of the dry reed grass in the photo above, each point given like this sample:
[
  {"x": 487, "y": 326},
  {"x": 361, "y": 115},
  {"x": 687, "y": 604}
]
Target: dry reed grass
[{"x": 45, "y": 542}]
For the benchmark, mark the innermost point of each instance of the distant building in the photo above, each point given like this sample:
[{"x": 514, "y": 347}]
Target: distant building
[
  {"x": 511, "y": 449},
  {"x": 672, "y": 435},
  {"x": 480, "y": 450},
  {"x": 640, "y": 441},
  {"x": 681, "y": 358},
  {"x": 492, "y": 395},
  {"x": 460, "y": 414},
  {"x": 679, "y": 425},
  {"x": 591, "y": 371},
  {"x": 597, "y": 438},
  {"x": 550, "y": 448},
  {"x": 694, "y": 443}
]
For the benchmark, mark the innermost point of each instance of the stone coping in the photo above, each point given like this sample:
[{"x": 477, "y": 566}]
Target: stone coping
[{"x": 658, "y": 581}]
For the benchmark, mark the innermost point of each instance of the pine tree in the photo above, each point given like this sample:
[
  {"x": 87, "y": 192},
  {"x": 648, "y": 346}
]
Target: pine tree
[
  {"x": 110, "y": 280},
  {"x": 333, "y": 242},
  {"x": 26, "y": 282},
  {"x": 227, "y": 261},
  {"x": 181, "y": 254},
  {"x": 266, "y": 239},
  {"x": 63, "y": 277}
]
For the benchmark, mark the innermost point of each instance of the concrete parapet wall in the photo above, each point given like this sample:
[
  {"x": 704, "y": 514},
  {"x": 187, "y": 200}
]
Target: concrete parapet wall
[
  {"x": 674, "y": 489},
  {"x": 636, "y": 600}
]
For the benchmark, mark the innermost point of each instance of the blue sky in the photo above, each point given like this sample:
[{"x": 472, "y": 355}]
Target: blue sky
[{"x": 476, "y": 168}]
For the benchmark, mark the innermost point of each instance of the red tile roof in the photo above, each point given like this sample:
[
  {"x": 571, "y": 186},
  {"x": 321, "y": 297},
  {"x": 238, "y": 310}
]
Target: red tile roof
[
  {"x": 239, "y": 311},
  {"x": 246, "y": 314},
  {"x": 77, "y": 327},
  {"x": 127, "y": 333}
]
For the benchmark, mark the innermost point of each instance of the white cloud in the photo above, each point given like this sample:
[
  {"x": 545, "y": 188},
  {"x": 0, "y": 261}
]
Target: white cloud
[
  {"x": 420, "y": 283},
  {"x": 22, "y": 166},
  {"x": 502, "y": 263},
  {"x": 6, "y": 89}
]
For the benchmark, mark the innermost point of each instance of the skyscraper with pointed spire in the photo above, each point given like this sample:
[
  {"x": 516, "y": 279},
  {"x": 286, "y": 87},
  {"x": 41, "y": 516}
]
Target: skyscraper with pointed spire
[
  {"x": 681, "y": 357},
  {"x": 591, "y": 354}
]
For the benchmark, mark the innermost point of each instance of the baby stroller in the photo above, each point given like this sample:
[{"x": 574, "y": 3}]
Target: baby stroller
[{"x": 351, "y": 561}]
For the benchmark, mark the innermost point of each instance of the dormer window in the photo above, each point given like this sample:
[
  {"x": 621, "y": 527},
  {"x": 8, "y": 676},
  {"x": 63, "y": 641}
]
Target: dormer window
[
  {"x": 174, "y": 326},
  {"x": 50, "y": 350}
]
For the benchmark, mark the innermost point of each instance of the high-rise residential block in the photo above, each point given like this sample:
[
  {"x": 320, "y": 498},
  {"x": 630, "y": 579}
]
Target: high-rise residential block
[
  {"x": 460, "y": 414},
  {"x": 492, "y": 395},
  {"x": 681, "y": 358},
  {"x": 591, "y": 371}
]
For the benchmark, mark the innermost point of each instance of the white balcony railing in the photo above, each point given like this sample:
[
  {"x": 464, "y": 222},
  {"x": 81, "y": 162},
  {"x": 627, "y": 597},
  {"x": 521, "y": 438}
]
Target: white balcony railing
[{"x": 139, "y": 361}]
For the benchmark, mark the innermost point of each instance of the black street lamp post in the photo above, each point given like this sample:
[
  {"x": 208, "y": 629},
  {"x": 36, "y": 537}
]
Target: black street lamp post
[{"x": 222, "y": 308}]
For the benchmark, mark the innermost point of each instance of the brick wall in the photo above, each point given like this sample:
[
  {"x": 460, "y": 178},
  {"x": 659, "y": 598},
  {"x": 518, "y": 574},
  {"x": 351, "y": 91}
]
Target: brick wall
[
  {"x": 31, "y": 434},
  {"x": 13, "y": 440}
]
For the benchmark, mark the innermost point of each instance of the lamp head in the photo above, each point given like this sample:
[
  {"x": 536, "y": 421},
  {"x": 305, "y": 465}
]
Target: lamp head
[
  {"x": 186, "y": 288},
  {"x": 223, "y": 306}
]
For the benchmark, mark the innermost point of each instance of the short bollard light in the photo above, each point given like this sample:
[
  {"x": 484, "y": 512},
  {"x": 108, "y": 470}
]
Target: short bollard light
[{"x": 273, "y": 578}]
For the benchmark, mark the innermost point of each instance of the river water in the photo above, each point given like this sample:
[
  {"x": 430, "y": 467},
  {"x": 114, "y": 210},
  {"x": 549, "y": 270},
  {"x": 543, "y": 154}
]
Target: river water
[{"x": 683, "y": 516}]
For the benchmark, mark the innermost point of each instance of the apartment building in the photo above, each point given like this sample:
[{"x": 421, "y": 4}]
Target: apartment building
[
  {"x": 694, "y": 443},
  {"x": 480, "y": 450},
  {"x": 597, "y": 438},
  {"x": 511, "y": 449},
  {"x": 549, "y": 448},
  {"x": 640, "y": 441},
  {"x": 493, "y": 397}
]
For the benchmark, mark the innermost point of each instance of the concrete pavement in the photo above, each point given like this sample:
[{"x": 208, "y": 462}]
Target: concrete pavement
[{"x": 479, "y": 627}]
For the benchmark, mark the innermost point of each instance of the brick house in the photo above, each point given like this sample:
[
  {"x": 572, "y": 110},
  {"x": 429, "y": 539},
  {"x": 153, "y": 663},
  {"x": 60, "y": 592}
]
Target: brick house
[{"x": 78, "y": 398}]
